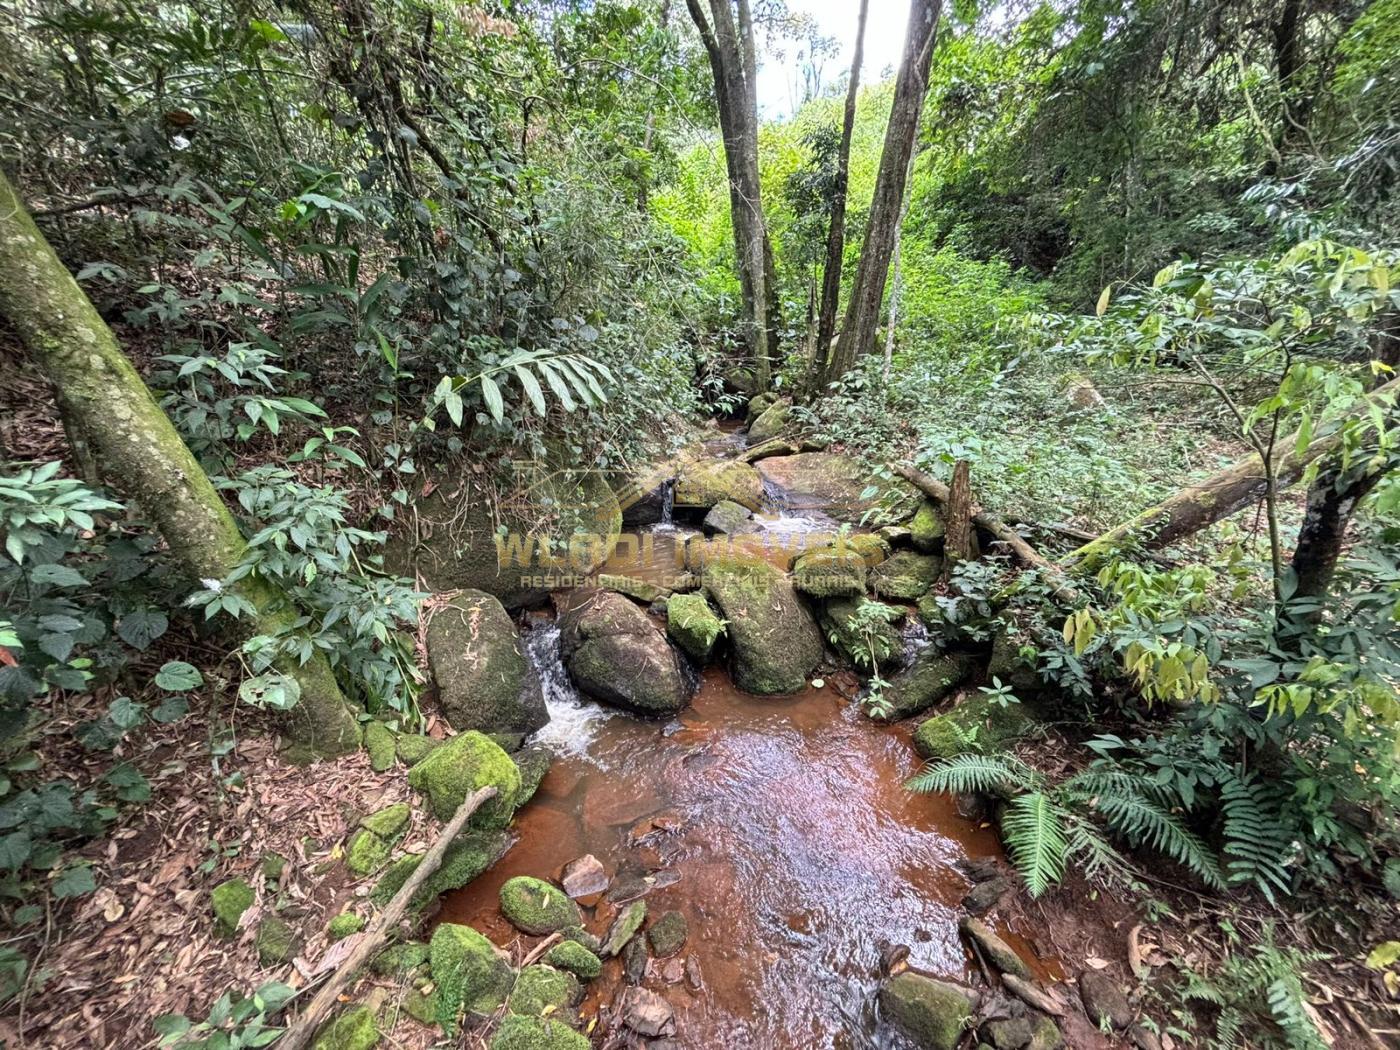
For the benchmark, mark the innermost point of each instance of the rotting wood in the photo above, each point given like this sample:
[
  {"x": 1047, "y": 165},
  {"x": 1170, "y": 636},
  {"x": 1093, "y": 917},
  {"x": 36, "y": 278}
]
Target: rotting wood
[
  {"x": 383, "y": 927},
  {"x": 958, "y": 539}
]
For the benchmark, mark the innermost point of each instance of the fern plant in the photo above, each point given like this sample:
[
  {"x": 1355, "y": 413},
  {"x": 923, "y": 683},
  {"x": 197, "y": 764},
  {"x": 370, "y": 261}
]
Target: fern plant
[{"x": 1048, "y": 825}]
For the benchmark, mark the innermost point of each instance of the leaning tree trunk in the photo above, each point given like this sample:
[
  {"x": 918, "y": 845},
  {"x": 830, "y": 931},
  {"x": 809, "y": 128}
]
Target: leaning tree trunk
[
  {"x": 863, "y": 314},
  {"x": 836, "y": 231},
  {"x": 139, "y": 451},
  {"x": 1220, "y": 495}
]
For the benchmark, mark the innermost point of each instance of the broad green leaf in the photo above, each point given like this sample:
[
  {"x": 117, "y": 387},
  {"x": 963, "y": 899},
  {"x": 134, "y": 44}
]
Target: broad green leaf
[{"x": 492, "y": 393}]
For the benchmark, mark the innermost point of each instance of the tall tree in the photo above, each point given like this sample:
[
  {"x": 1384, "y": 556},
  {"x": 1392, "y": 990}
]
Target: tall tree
[
  {"x": 139, "y": 451},
  {"x": 910, "y": 88},
  {"x": 836, "y": 233},
  {"x": 730, "y": 47}
]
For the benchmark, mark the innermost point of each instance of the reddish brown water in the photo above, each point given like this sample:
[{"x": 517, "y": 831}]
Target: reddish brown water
[{"x": 799, "y": 857}]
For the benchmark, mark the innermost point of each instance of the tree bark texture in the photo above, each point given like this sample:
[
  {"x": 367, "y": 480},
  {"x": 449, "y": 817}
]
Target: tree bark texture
[
  {"x": 836, "y": 231},
  {"x": 730, "y": 48},
  {"x": 868, "y": 292},
  {"x": 139, "y": 451}
]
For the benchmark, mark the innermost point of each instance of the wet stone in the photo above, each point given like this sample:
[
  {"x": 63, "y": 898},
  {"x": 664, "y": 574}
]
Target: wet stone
[
  {"x": 1000, "y": 954},
  {"x": 647, "y": 1013},
  {"x": 985, "y": 896},
  {"x": 623, "y": 927},
  {"x": 1010, "y": 1034},
  {"x": 584, "y": 877},
  {"x": 694, "y": 980},
  {"x": 1104, "y": 1000},
  {"x": 634, "y": 960},
  {"x": 667, "y": 934}
]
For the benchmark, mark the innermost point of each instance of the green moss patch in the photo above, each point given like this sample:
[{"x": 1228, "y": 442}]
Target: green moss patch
[
  {"x": 905, "y": 575},
  {"x": 931, "y": 677},
  {"x": 276, "y": 942},
  {"x": 412, "y": 748},
  {"x": 471, "y": 974},
  {"x": 345, "y": 924},
  {"x": 355, "y": 1029},
  {"x": 400, "y": 959},
  {"x": 693, "y": 625},
  {"x": 926, "y": 528},
  {"x": 531, "y": 1033},
  {"x": 979, "y": 723},
  {"x": 230, "y": 900},
  {"x": 378, "y": 740},
  {"x": 464, "y": 764},
  {"x": 576, "y": 959},
  {"x": 776, "y": 641},
  {"x": 667, "y": 934},
  {"x": 537, "y": 907},
  {"x": 542, "y": 991}
]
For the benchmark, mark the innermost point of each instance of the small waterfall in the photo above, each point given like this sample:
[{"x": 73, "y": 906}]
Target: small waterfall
[
  {"x": 668, "y": 505},
  {"x": 915, "y": 636},
  {"x": 572, "y": 717}
]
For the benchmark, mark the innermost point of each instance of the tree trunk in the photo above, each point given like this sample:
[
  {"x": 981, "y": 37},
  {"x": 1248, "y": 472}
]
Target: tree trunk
[
  {"x": 1331, "y": 500},
  {"x": 959, "y": 541},
  {"x": 140, "y": 452},
  {"x": 863, "y": 313},
  {"x": 733, "y": 64},
  {"x": 1220, "y": 495},
  {"x": 836, "y": 231}
]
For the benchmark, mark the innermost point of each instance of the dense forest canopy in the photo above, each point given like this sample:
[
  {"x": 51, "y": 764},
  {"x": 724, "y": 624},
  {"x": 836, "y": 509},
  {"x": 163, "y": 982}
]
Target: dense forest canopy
[{"x": 308, "y": 308}]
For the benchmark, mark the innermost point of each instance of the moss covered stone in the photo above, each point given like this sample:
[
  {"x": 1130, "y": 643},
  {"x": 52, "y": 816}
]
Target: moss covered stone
[
  {"x": 344, "y": 924},
  {"x": 400, "y": 959},
  {"x": 979, "y": 723},
  {"x": 615, "y": 653},
  {"x": 931, "y": 677},
  {"x": 460, "y": 767},
  {"x": 839, "y": 486},
  {"x": 355, "y": 1029},
  {"x": 533, "y": 763},
  {"x": 932, "y": 1013},
  {"x": 378, "y": 740},
  {"x": 517, "y": 1032},
  {"x": 576, "y": 959},
  {"x": 484, "y": 680},
  {"x": 926, "y": 528},
  {"x": 230, "y": 900},
  {"x": 412, "y": 748},
  {"x": 578, "y": 935},
  {"x": 623, "y": 928},
  {"x": 905, "y": 575},
  {"x": 760, "y": 403},
  {"x": 536, "y": 906},
  {"x": 543, "y": 991},
  {"x": 830, "y": 572},
  {"x": 694, "y": 625},
  {"x": 470, "y": 972},
  {"x": 727, "y": 517},
  {"x": 770, "y": 422},
  {"x": 705, "y": 482},
  {"x": 667, "y": 934},
  {"x": 367, "y": 852},
  {"x": 272, "y": 866},
  {"x": 422, "y": 1006},
  {"x": 467, "y": 857},
  {"x": 390, "y": 822},
  {"x": 276, "y": 942},
  {"x": 776, "y": 642},
  {"x": 880, "y": 644}
]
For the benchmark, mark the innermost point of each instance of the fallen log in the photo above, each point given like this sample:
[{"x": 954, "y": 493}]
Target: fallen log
[
  {"x": 379, "y": 932},
  {"x": 1221, "y": 495}
]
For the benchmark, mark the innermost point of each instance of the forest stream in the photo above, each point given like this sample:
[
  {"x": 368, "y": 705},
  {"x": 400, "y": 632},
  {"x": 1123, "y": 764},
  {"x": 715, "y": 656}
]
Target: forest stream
[{"x": 779, "y": 827}]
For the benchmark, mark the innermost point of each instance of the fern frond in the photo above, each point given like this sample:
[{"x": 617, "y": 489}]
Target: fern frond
[
  {"x": 1099, "y": 861},
  {"x": 1034, "y": 829},
  {"x": 990, "y": 774},
  {"x": 1120, "y": 781},
  {"x": 1141, "y": 820},
  {"x": 1259, "y": 848}
]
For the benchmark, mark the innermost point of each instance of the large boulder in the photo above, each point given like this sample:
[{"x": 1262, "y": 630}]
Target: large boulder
[
  {"x": 484, "y": 680},
  {"x": 905, "y": 575},
  {"x": 933, "y": 1014},
  {"x": 615, "y": 653},
  {"x": 728, "y": 517},
  {"x": 775, "y": 640},
  {"x": 837, "y": 485},
  {"x": 926, "y": 528},
  {"x": 931, "y": 677},
  {"x": 466, "y": 763},
  {"x": 770, "y": 422},
  {"x": 560, "y": 521},
  {"x": 838, "y": 568},
  {"x": 704, "y": 482}
]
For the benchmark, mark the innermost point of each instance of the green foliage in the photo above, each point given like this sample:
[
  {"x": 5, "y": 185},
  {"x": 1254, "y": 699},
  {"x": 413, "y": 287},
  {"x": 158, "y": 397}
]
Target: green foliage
[{"x": 236, "y": 1021}]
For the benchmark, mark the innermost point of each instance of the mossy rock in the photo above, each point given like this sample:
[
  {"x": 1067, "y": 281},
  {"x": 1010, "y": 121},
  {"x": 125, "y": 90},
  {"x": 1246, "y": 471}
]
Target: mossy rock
[
  {"x": 615, "y": 653},
  {"x": 400, "y": 959},
  {"x": 517, "y": 1032},
  {"x": 1045, "y": 1035},
  {"x": 567, "y": 520},
  {"x": 543, "y": 991},
  {"x": 230, "y": 900},
  {"x": 837, "y": 485},
  {"x": 905, "y": 575},
  {"x": 693, "y": 625},
  {"x": 355, "y": 1029},
  {"x": 468, "y": 856},
  {"x": 467, "y": 762},
  {"x": 770, "y": 422},
  {"x": 930, "y": 611},
  {"x": 378, "y": 740},
  {"x": 884, "y": 643},
  {"x": 667, "y": 934},
  {"x": 484, "y": 680},
  {"x": 775, "y": 640},
  {"x": 705, "y": 482},
  {"x": 727, "y": 517},
  {"x": 931, "y": 677},
  {"x": 576, "y": 959},
  {"x": 276, "y": 941},
  {"x": 533, "y": 763},
  {"x": 632, "y": 587},
  {"x": 1007, "y": 663},
  {"x": 979, "y": 723},
  {"x": 934, "y": 1014},
  {"x": 345, "y": 924},
  {"x": 422, "y": 1006},
  {"x": 470, "y": 972},
  {"x": 390, "y": 822},
  {"x": 623, "y": 928},
  {"x": 273, "y": 864},
  {"x": 760, "y": 403},
  {"x": 830, "y": 572},
  {"x": 926, "y": 528},
  {"x": 412, "y": 748},
  {"x": 578, "y": 935},
  {"x": 537, "y": 907}
]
